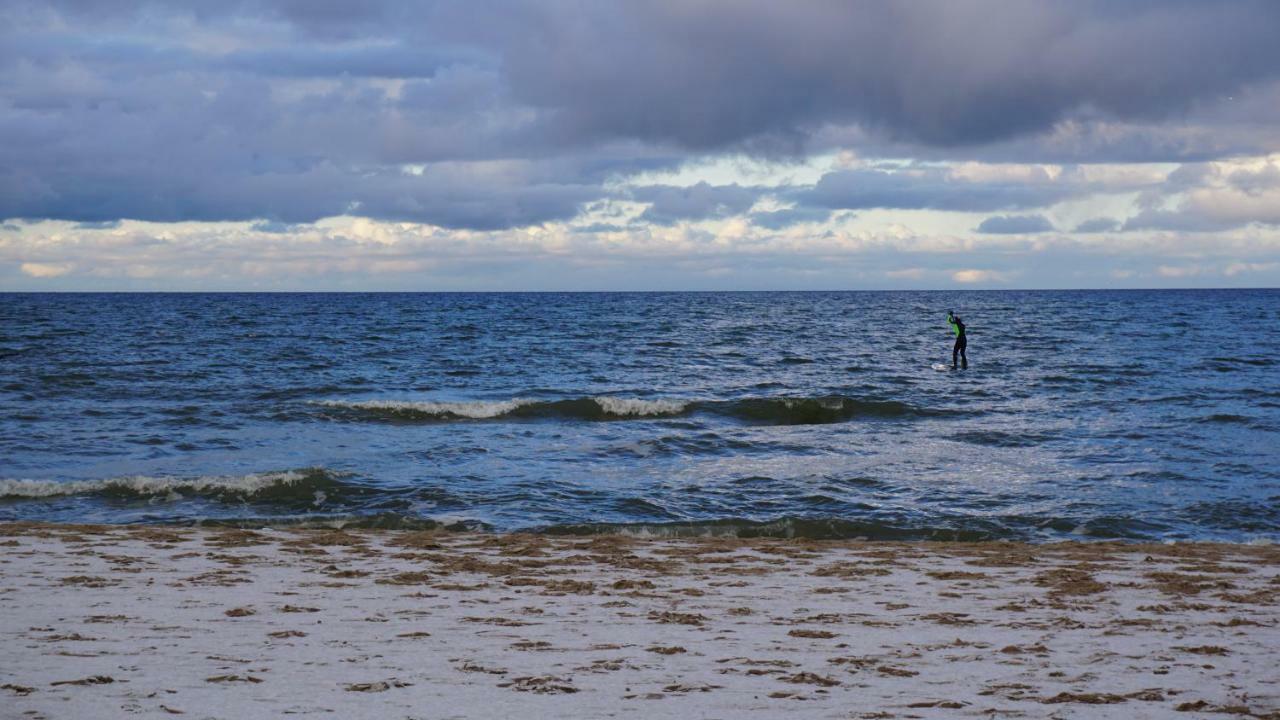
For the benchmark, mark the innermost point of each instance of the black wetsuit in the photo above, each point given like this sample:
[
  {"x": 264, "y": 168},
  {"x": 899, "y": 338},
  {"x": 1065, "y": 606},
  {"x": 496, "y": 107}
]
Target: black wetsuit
[{"x": 957, "y": 351}]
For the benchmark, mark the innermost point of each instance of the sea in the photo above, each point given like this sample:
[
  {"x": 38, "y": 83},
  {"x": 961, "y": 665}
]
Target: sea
[{"x": 1135, "y": 415}]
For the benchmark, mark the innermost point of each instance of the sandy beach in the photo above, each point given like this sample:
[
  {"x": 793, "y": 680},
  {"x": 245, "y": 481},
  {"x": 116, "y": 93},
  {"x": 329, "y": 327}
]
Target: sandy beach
[{"x": 149, "y": 621}]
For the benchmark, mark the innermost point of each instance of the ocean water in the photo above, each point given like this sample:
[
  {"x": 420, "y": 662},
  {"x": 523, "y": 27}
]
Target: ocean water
[{"x": 1136, "y": 414}]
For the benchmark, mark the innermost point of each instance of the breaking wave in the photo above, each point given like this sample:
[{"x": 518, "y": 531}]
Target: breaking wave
[
  {"x": 584, "y": 408},
  {"x": 772, "y": 411},
  {"x": 268, "y": 486}
]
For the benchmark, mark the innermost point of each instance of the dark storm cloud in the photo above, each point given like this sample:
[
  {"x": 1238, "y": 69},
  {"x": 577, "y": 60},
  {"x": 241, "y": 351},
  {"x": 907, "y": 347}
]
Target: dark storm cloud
[
  {"x": 386, "y": 61},
  {"x": 780, "y": 219},
  {"x": 448, "y": 199},
  {"x": 291, "y": 110},
  {"x": 929, "y": 189},
  {"x": 702, "y": 201},
  {"x": 715, "y": 72},
  {"x": 1015, "y": 224}
]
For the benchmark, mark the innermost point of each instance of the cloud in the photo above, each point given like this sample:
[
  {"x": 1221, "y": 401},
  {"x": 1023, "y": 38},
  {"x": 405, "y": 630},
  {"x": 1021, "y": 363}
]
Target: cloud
[
  {"x": 669, "y": 204},
  {"x": 928, "y": 188},
  {"x": 1098, "y": 225},
  {"x": 1014, "y": 224},
  {"x": 353, "y": 253},
  {"x": 712, "y": 73},
  {"x": 521, "y": 111},
  {"x": 781, "y": 219},
  {"x": 1240, "y": 268},
  {"x": 381, "y": 60},
  {"x": 1210, "y": 197},
  {"x": 44, "y": 270},
  {"x": 978, "y": 276}
]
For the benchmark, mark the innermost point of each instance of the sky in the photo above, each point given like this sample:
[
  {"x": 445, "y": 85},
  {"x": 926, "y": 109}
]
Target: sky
[{"x": 658, "y": 145}]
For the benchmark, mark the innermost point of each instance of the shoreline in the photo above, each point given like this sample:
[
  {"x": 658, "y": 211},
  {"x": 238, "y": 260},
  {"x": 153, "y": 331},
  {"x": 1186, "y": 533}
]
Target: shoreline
[{"x": 163, "y": 620}]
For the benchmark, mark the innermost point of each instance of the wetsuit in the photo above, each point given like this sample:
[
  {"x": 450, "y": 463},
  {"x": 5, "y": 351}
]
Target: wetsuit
[{"x": 957, "y": 326}]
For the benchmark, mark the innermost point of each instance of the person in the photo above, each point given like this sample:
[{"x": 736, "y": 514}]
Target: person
[{"x": 958, "y": 350}]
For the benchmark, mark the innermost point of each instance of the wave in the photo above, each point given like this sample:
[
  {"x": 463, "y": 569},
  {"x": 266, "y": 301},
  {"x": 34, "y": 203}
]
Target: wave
[
  {"x": 373, "y": 521},
  {"x": 786, "y": 527},
  {"x": 789, "y": 527},
  {"x": 1256, "y": 531},
  {"x": 268, "y": 486},
  {"x": 1026, "y": 528},
  {"x": 584, "y": 408},
  {"x": 813, "y": 411},
  {"x": 776, "y": 410}
]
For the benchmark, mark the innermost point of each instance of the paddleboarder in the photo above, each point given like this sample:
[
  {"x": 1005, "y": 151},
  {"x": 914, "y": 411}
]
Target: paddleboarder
[{"x": 957, "y": 350}]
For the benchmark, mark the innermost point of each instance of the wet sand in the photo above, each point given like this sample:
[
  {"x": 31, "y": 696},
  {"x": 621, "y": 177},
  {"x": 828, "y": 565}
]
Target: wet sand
[{"x": 145, "y": 621}]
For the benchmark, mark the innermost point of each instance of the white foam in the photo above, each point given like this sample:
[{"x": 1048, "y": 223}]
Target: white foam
[
  {"x": 638, "y": 407},
  {"x": 478, "y": 409},
  {"x": 149, "y": 485}
]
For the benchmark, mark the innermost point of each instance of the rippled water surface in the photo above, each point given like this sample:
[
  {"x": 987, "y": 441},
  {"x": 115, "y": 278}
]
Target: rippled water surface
[{"x": 1108, "y": 414}]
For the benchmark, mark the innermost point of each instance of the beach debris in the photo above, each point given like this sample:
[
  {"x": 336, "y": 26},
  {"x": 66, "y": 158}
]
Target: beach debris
[
  {"x": 377, "y": 686},
  {"x": 469, "y": 666},
  {"x": 530, "y": 645},
  {"x": 406, "y": 578},
  {"x": 91, "y": 680},
  {"x": 233, "y": 678},
  {"x": 955, "y": 575},
  {"x": 633, "y": 585},
  {"x": 88, "y": 581},
  {"x": 677, "y": 618},
  {"x": 1086, "y": 698},
  {"x": 1176, "y": 583},
  {"x": 947, "y": 704},
  {"x": 17, "y": 689},
  {"x": 568, "y": 587},
  {"x": 1204, "y": 650},
  {"x": 75, "y": 636},
  {"x": 504, "y": 622},
  {"x": 944, "y": 618},
  {"x": 1063, "y": 581},
  {"x": 661, "y": 650},
  {"x": 682, "y": 688},
  {"x": 849, "y": 570},
  {"x": 809, "y": 678},
  {"x": 813, "y": 634},
  {"x": 544, "y": 685}
]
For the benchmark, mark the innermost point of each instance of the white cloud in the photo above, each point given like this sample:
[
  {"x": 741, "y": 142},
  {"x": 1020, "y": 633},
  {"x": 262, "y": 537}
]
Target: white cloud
[
  {"x": 608, "y": 244},
  {"x": 979, "y": 276},
  {"x": 44, "y": 270},
  {"x": 1240, "y": 268},
  {"x": 1215, "y": 196}
]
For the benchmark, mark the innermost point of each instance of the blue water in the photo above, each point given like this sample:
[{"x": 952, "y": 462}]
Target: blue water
[{"x": 1097, "y": 414}]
